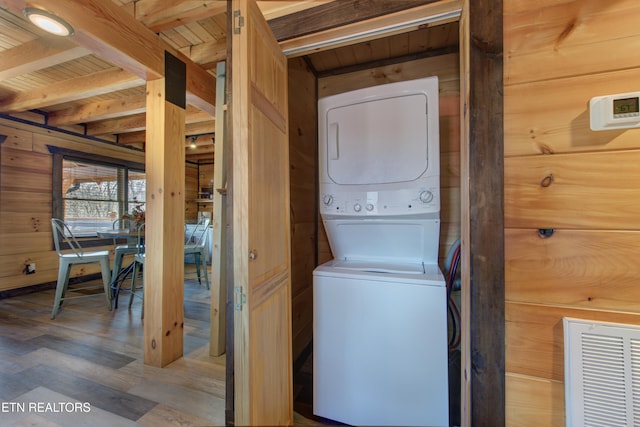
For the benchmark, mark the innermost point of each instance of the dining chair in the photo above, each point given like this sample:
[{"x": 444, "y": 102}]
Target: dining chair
[
  {"x": 138, "y": 264},
  {"x": 130, "y": 248},
  {"x": 195, "y": 245},
  {"x": 62, "y": 234}
]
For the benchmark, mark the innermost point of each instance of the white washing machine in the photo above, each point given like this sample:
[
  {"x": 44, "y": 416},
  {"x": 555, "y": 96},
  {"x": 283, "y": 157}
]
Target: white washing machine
[
  {"x": 380, "y": 346},
  {"x": 380, "y": 320}
]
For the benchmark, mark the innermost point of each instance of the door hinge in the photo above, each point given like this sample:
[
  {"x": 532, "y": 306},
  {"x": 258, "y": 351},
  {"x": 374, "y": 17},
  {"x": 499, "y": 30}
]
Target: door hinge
[
  {"x": 240, "y": 298},
  {"x": 238, "y": 21}
]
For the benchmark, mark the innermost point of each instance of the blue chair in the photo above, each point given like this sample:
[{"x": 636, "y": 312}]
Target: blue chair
[
  {"x": 62, "y": 233},
  {"x": 195, "y": 245}
]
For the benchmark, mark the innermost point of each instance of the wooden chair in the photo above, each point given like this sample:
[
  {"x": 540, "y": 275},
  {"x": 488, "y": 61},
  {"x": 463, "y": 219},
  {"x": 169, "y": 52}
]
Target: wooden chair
[
  {"x": 195, "y": 245},
  {"x": 62, "y": 233}
]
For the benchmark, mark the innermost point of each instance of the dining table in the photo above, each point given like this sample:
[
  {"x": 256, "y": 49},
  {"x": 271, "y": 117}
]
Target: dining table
[
  {"x": 124, "y": 233},
  {"x": 131, "y": 235}
]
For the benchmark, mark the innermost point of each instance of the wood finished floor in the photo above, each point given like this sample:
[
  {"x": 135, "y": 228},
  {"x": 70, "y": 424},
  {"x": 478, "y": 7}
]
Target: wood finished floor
[{"x": 85, "y": 368}]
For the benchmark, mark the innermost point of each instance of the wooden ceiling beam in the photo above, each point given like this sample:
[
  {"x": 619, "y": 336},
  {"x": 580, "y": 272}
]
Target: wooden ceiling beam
[
  {"x": 37, "y": 54},
  {"x": 207, "y": 53},
  {"x": 335, "y": 14},
  {"x": 136, "y": 122},
  {"x": 132, "y": 138},
  {"x": 161, "y": 15},
  {"x": 102, "y": 110},
  {"x": 193, "y": 115},
  {"x": 109, "y": 32},
  {"x": 200, "y": 128},
  {"x": 113, "y": 109},
  {"x": 117, "y": 37},
  {"x": 70, "y": 90}
]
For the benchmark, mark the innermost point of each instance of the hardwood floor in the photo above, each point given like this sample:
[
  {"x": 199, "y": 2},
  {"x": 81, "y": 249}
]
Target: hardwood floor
[{"x": 86, "y": 366}]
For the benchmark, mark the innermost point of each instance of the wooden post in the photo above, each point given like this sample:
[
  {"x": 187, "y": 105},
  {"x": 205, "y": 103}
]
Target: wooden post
[
  {"x": 164, "y": 230},
  {"x": 218, "y": 260},
  {"x": 482, "y": 194}
]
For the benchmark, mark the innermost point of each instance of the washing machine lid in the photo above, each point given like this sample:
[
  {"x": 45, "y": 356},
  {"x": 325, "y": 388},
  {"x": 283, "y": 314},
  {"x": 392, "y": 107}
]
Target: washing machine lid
[
  {"x": 422, "y": 274},
  {"x": 378, "y": 141},
  {"x": 396, "y": 241},
  {"x": 380, "y": 267}
]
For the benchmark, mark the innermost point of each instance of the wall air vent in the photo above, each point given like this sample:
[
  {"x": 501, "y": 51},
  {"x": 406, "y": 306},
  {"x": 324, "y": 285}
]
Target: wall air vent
[{"x": 602, "y": 373}]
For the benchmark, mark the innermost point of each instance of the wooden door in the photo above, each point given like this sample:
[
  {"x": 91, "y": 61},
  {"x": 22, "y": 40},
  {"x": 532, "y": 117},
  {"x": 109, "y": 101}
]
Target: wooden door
[{"x": 261, "y": 236}]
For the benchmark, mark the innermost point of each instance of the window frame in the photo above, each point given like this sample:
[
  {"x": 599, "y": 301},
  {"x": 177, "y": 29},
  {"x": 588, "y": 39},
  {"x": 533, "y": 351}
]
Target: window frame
[{"x": 58, "y": 155}]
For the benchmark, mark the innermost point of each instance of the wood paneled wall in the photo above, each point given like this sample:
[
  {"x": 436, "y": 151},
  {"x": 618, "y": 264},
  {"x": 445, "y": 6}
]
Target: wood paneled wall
[
  {"x": 197, "y": 177},
  {"x": 447, "y": 68},
  {"x": 303, "y": 178},
  {"x": 191, "y": 192},
  {"x": 560, "y": 175},
  {"x": 26, "y": 199}
]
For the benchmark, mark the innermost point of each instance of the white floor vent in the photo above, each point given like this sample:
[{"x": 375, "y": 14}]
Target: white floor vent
[{"x": 601, "y": 374}]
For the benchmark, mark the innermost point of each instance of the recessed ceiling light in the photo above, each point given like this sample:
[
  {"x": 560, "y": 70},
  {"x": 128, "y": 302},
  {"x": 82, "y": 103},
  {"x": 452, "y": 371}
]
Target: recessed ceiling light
[{"x": 48, "y": 21}]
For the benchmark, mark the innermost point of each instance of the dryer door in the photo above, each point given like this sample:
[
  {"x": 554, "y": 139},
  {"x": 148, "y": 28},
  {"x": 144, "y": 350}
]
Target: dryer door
[{"x": 380, "y": 141}]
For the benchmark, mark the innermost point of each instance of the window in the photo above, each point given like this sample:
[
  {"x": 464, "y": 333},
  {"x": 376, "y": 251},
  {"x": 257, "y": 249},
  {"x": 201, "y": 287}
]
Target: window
[{"x": 91, "y": 192}]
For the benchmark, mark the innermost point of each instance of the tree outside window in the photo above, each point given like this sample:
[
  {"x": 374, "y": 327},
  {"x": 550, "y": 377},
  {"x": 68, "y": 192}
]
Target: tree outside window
[{"x": 93, "y": 195}]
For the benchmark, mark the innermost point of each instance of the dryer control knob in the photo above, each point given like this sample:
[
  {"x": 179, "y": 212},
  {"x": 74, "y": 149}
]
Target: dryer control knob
[
  {"x": 357, "y": 207},
  {"x": 369, "y": 207},
  {"x": 327, "y": 199},
  {"x": 426, "y": 196}
]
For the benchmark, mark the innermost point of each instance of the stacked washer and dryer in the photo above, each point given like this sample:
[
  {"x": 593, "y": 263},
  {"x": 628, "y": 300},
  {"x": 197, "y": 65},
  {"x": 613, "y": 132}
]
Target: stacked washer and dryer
[{"x": 380, "y": 319}]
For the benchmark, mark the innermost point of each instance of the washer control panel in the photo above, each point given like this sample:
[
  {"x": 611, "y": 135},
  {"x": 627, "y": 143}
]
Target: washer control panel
[{"x": 380, "y": 203}]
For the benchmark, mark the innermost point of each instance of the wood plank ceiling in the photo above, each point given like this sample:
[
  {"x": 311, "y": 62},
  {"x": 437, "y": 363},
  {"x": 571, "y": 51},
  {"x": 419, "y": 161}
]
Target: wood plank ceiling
[{"x": 61, "y": 83}]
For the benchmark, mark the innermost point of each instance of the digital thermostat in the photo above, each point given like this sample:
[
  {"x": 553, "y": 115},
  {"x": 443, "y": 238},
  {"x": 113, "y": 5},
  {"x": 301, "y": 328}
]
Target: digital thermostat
[{"x": 621, "y": 111}]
